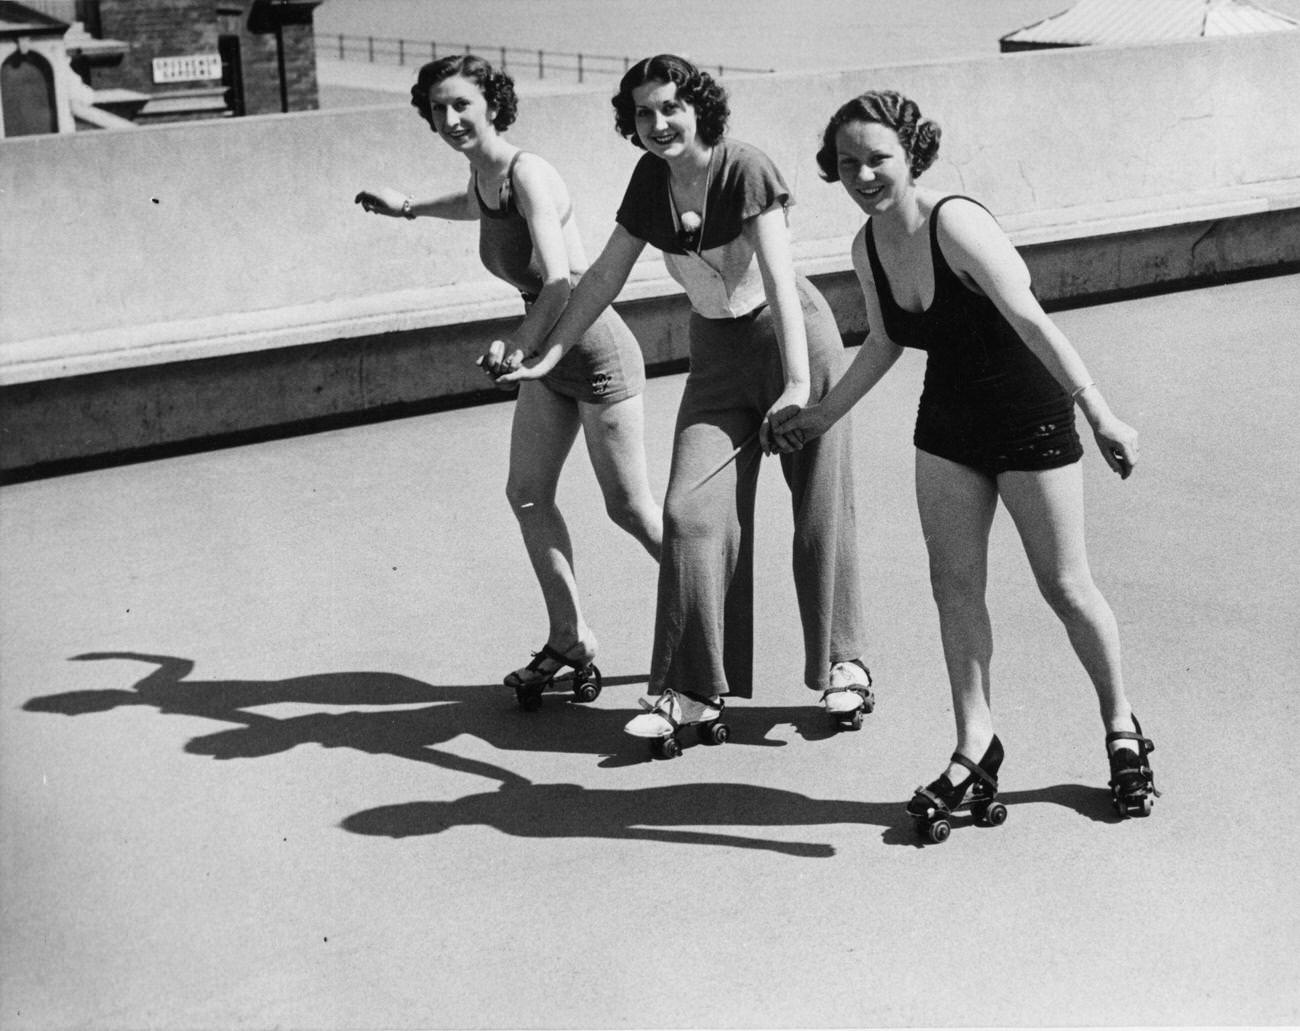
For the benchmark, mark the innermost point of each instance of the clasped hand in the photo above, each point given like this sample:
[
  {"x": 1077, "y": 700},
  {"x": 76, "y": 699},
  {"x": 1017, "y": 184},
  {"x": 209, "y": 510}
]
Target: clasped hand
[
  {"x": 787, "y": 424},
  {"x": 538, "y": 366},
  {"x": 500, "y": 362}
]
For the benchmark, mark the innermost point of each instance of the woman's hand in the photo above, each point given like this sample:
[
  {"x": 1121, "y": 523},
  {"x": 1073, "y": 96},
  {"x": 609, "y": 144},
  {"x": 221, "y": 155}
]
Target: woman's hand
[
  {"x": 1119, "y": 444},
  {"x": 500, "y": 360},
  {"x": 382, "y": 201},
  {"x": 535, "y": 369},
  {"x": 793, "y": 397},
  {"x": 793, "y": 427}
]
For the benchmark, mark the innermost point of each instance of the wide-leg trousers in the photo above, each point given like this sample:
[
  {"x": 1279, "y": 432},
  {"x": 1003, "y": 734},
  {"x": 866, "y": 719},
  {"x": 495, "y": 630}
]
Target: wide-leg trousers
[{"x": 704, "y": 623}]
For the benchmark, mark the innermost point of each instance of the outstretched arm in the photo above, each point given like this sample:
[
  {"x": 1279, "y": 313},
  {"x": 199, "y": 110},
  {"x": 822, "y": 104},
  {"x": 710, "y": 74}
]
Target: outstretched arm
[
  {"x": 793, "y": 427},
  {"x": 385, "y": 200},
  {"x": 596, "y": 291},
  {"x": 980, "y": 252}
]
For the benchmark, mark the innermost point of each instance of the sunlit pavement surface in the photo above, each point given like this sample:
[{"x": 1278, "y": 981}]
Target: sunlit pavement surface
[{"x": 259, "y": 770}]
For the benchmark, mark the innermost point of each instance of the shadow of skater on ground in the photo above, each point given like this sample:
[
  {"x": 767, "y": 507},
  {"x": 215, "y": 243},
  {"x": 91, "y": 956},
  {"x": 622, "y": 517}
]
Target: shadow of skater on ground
[
  {"x": 444, "y": 713},
  {"x": 424, "y": 716},
  {"x": 648, "y": 814},
  {"x": 664, "y": 814},
  {"x": 488, "y": 712}
]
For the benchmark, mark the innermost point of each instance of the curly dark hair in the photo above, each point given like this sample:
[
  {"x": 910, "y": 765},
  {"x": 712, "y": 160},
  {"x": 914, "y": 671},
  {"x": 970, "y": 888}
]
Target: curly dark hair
[
  {"x": 498, "y": 88},
  {"x": 918, "y": 135},
  {"x": 695, "y": 87}
]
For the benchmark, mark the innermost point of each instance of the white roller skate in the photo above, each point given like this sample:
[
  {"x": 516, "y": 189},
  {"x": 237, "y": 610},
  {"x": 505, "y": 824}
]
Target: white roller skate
[
  {"x": 667, "y": 714},
  {"x": 849, "y": 697}
]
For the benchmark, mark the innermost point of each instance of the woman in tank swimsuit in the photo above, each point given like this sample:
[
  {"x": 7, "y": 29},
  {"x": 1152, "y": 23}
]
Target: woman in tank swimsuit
[
  {"x": 996, "y": 420},
  {"x": 528, "y": 237},
  {"x": 761, "y": 338}
]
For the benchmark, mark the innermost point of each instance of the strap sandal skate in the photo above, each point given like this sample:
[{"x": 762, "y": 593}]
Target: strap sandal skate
[
  {"x": 1132, "y": 784},
  {"x": 665, "y": 716},
  {"x": 849, "y": 695},
  {"x": 530, "y": 681},
  {"x": 850, "y": 687},
  {"x": 933, "y": 806}
]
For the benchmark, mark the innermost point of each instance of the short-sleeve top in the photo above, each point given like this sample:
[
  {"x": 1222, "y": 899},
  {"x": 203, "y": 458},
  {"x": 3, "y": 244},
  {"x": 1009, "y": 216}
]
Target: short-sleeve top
[
  {"x": 722, "y": 277},
  {"x": 505, "y": 245}
]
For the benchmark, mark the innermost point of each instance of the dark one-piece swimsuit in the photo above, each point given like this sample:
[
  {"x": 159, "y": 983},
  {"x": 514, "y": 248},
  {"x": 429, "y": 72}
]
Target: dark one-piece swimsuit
[{"x": 988, "y": 401}]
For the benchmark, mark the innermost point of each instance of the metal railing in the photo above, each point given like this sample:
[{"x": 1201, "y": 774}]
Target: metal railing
[{"x": 517, "y": 61}]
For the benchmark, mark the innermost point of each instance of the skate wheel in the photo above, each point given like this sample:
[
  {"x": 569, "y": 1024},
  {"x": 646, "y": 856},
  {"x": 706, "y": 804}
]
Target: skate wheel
[
  {"x": 996, "y": 815},
  {"x": 1146, "y": 806},
  {"x": 854, "y": 722},
  {"x": 715, "y": 732},
  {"x": 938, "y": 831},
  {"x": 586, "y": 684},
  {"x": 665, "y": 748},
  {"x": 584, "y": 689}
]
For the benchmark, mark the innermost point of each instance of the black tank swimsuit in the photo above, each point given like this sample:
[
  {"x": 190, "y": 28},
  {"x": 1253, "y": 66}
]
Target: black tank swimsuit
[{"x": 988, "y": 402}]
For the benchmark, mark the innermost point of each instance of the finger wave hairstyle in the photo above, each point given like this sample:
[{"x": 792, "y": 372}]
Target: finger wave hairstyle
[
  {"x": 498, "y": 88},
  {"x": 918, "y": 135},
  {"x": 695, "y": 87}
]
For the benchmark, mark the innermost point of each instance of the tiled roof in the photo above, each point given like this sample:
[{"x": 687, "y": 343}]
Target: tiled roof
[{"x": 1109, "y": 22}]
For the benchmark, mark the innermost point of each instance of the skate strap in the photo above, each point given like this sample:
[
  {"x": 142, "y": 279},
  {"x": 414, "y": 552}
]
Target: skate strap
[
  {"x": 861, "y": 689},
  {"x": 976, "y": 769},
  {"x": 663, "y": 706},
  {"x": 718, "y": 703},
  {"x": 549, "y": 653},
  {"x": 1127, "y": 735}
]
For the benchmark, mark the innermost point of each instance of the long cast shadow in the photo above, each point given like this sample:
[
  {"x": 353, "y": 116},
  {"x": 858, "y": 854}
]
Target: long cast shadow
[
  {"x": 675, "y": 813},
  {"x": 430, "y": 716},
  {"x": 488, "y": 712}
]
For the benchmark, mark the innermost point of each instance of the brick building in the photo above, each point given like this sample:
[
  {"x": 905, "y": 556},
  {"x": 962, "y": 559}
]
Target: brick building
[{"x": 147, "y": 61}]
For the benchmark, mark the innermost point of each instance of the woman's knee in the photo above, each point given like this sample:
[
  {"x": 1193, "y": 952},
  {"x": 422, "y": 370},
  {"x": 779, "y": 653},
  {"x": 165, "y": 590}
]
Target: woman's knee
[
  {"x": 525, "y": 494},
  {"x": 1070, "y": 595},
  {"x": 684, "y": 519},
  {"x": 629, "y": 512}
]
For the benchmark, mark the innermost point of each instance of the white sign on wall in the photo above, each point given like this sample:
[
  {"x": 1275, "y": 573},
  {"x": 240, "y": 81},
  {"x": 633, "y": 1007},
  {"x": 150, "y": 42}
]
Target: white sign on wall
[{"x": 190, "y": 68}]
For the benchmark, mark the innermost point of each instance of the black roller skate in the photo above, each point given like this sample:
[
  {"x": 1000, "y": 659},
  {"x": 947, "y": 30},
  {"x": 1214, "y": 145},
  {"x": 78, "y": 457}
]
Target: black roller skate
[
  {"x": 1131, "y": 782},
  {"x": 662, "y": 720},
  {"x": 849, "y": 696},
  {"x": 545, "y": 669},
  {"x": 932, "y": 807}
]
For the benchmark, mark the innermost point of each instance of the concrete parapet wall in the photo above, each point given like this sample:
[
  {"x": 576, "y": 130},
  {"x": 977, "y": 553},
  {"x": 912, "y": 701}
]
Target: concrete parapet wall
[{"x": 161, "y": 267}]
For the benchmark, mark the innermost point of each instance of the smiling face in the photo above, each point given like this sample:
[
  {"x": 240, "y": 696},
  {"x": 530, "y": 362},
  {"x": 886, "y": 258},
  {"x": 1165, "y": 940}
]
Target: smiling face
[
  {"x": 665, "y": 124},
  {"x": 460, "y": 112},
  {"x": 872, "y": 164}
]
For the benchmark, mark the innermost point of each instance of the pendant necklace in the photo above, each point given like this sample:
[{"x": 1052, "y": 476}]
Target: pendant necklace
[{"x": 690, "y": 225}]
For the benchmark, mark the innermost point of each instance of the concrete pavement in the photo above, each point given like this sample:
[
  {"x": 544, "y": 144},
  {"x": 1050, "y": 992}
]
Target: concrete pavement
[{"x": 257, "y": 768}]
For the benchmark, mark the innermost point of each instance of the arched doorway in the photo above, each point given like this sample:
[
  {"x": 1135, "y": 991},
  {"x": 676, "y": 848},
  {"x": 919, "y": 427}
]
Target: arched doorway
[{"x": 27, "y": 93}]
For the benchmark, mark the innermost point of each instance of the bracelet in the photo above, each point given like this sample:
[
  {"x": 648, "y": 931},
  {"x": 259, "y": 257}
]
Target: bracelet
[
  {"x": 406, "y": 209},
  {"x": 1074, "y": 396}
]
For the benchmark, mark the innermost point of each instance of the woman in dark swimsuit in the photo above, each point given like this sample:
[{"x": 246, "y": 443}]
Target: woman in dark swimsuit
[
  {"x": 529, "y": 238},
  {"x": 996, "y": 421}
]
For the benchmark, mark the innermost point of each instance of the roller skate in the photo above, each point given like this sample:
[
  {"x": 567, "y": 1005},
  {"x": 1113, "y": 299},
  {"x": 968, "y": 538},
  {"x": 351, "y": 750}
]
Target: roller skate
[
  {"x": 546, "y": 667},
  {"x": 932, "y": 807},
  {"x": 849, "y": 697},
  {"x": 665, "y": 716},
  {"x": 1131, "y": 782}
]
